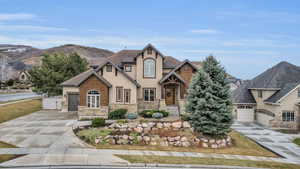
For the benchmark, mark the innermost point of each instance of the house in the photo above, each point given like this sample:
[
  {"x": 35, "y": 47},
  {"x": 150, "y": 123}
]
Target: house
[
  {"x": 23, "y": 76},
  {"x": 131, "y": 79},
  {"x": 271, "y": 99}
]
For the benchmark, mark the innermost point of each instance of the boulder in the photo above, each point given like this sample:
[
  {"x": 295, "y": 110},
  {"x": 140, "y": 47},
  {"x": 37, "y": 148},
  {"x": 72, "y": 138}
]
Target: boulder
[
  {"x": 177, "y": 124},
  {"x": 144, "y": 125},
  {"x": 183, "y": 139},
  {"x": 177, "y": 138},
  {"x": 146, "y": 138},
  {"x": 159, "y": 125},
  {"x": 167, "y": 125},
  {"x": 171, "y": 139},
  {"x": 185, "y": 144},
  {"x": 138, "y": 129},
  {"x": 205, "y": 145},
  {"x": 211, "y": 141},
  {"x": 164, "y": 143},
  {"x": 97, "y": 141},
  {"x": 214, "y": 146},
  {"x": 186, "y": 124}
]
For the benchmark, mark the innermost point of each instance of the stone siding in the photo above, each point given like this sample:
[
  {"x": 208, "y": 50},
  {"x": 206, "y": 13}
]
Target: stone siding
[{"x": 88, "y": 113}]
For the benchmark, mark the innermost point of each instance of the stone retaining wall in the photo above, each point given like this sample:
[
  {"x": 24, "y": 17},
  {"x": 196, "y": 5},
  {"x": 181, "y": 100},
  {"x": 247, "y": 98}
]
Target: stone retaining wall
[{"x": 146, "y": 134}]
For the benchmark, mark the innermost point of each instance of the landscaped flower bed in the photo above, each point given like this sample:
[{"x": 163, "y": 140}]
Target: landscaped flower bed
[{"x": 176, "y": 133}]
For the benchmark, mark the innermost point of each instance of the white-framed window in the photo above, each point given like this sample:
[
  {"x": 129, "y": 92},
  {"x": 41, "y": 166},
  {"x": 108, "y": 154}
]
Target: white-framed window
[
  {"x": 127, "y": 68},
  {"x": 244, "y": 107},
  {"x": 149, "y": 94},
  {"x": 126, "y": 95},
  {"x": 119, "y": 94},
  {"x": 93, "y": 99},
  {"x": 149, "y": 68},
  {"x": 288, "y": 116}
]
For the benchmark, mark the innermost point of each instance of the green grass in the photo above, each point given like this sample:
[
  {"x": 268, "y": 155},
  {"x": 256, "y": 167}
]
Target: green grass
[
  {"x": 206, "y": 161},
  {"x": 6, "y": 157},
  {"x": 241, "y": 145},
  {"x": 15, "y": 110},
  {"x": 297, "y": 141}
]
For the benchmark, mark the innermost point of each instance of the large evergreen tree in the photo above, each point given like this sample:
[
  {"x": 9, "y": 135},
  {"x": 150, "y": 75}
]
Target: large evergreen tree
[
  {"x": 209, "y": 100},
  {"x": 55, "y": 69}
]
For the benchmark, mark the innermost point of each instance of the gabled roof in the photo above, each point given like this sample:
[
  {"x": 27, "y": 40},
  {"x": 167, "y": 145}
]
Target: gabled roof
[
  {"x": 170, "y": 62},
  {"x": 124, "y": 56},
  {"x": 120, "y": 70},
  {"x": 283, "y": 77},
  {"x": 79, "y": 79},
  {"x": 169, "y": 75},
  {"x": 183, "y": 63},
  {"x": 242, "y": 94},
  {"x": 151, "y": 46}
]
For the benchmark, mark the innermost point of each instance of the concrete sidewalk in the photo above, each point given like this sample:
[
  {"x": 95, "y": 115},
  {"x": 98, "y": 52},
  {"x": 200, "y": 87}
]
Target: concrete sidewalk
[{"x": 84, "y": 156}]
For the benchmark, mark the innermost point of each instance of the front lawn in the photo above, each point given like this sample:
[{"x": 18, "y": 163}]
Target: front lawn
[
  {"x": 297, "y": 141},
  {"x": 206, "y": 161},
  {"x": 241, "y": 145},
  {"x": 6, "y": 157},
  {"x": 15, "y": 110}
]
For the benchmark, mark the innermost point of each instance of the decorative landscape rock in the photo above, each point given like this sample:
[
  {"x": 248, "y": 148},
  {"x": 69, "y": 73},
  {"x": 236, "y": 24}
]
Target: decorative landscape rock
[{"x": 159, "y": 133}]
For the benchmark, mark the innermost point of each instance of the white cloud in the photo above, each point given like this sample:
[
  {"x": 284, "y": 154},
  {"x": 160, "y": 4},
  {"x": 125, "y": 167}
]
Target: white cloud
[
  {"x": 205, "y": 31},
  {"x": 16, "y": 16},
  {"x": 232, "y": 52},
  {"x": 30, "y": 28}
]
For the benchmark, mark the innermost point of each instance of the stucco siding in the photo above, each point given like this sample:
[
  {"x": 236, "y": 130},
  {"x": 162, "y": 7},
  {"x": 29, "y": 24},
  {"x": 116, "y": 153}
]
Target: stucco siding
[
  {"x": 119, "y": 81},
  {"x": 263, "y": 119},
  {"x": 149, "y": 82}
]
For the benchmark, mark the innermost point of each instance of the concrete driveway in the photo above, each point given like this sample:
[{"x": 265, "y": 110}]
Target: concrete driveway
[
  {"x": 275, "y": 141},
  {"x": 43, "y": 129}
]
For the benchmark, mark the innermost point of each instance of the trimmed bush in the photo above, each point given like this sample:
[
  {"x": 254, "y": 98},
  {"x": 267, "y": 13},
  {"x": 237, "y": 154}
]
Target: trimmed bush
[
  {"x": 157, "y": 115},
  {"x": 117, "y": 114},
  {"x": 131, "y": 116},
  {"x": 149, "y": 113},
  {"x": 98, "y": 122}
]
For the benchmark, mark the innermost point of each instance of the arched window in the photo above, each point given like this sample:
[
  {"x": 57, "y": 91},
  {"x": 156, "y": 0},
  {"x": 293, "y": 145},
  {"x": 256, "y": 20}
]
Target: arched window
[
  {"x": 149, "y": 68},
  {"x": 93, "y": 99}
]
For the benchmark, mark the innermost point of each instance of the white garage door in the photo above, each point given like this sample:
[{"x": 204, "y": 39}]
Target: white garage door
[{"x": 245, "y": 114}]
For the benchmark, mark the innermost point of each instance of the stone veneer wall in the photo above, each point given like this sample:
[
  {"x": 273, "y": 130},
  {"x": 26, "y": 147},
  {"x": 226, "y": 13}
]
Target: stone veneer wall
[
  {"x": 89, "y": 113},
  {"x": 132, "y": 108},
  {"x": 142, "y": 105}
]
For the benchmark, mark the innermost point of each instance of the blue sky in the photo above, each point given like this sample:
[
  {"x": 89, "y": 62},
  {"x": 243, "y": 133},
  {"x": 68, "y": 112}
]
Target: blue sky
[{"x": 247, "y": 36}]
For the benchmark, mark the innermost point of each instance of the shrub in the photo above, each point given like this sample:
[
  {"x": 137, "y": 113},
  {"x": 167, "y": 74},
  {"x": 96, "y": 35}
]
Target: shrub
[
  {"x": 89, "y": 135},
  {"x": 185, "y": 117},
  {"x": 117, "y": 114},
  {"x": 131, "y": 116},
  {"x": 149, "y": 113},
  {"x": 98, "y": 122},
  {"x": 157, "y": 115}
]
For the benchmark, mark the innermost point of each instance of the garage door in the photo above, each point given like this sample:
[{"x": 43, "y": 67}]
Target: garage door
[{"x": 245, "y": 114}]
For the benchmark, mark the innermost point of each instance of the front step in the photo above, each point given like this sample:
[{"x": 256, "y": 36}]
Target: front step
[{"x": 173, "y": 110}]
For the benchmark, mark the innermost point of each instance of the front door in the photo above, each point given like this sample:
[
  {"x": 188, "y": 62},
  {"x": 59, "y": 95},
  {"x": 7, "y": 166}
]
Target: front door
[
  {"x": 73, "y": 101},
  {"x": 170, "y": 95}
]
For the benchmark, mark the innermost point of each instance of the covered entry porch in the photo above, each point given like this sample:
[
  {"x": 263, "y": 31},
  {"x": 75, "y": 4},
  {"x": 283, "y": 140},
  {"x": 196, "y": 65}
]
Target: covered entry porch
[{"x": 173, "y": 90}]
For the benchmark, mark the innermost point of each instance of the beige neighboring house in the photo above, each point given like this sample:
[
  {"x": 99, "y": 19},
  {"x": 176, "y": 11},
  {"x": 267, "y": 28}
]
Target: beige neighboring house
[
  {"x": 23, "y": 76},
  {"x": 131, "y": 79},
  {"x": 271, "y": 99}
]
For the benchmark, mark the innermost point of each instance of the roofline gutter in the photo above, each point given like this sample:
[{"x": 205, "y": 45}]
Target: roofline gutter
[
  {"x": 264, "y": 88},
  {"x": 244, "y": 103}
]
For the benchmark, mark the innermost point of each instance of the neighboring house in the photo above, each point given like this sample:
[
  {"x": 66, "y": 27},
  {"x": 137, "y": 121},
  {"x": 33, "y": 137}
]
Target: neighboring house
[
  {"x": 23, "y": 76},
  {"x": 234, "y": 83},
  {"x": 271, "y": 99},
  {"x": 131, "y": 79}
]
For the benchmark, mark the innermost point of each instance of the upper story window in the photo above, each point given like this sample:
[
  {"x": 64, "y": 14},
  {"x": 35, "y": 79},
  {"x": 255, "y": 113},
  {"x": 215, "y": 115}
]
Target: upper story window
[
  {"x": 127, "y": 95},
  {"x": 93, "y": 99},
  {"x": 127, "y": 68},
  {"x": 149, "y": 68},
  {"x": 108, "y": 68},
  {"x": 288, "y": 116},
  {"x": 260, "y": 94},
  {"x": 149, "y": 51}
]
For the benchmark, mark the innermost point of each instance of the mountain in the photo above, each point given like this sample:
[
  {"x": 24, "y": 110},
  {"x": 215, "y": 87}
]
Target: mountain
[{"x": 20, "y": 57}]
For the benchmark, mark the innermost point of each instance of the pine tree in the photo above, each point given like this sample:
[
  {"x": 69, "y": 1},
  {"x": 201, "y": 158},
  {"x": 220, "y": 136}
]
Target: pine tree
[{"x": 209, "y": 101}]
